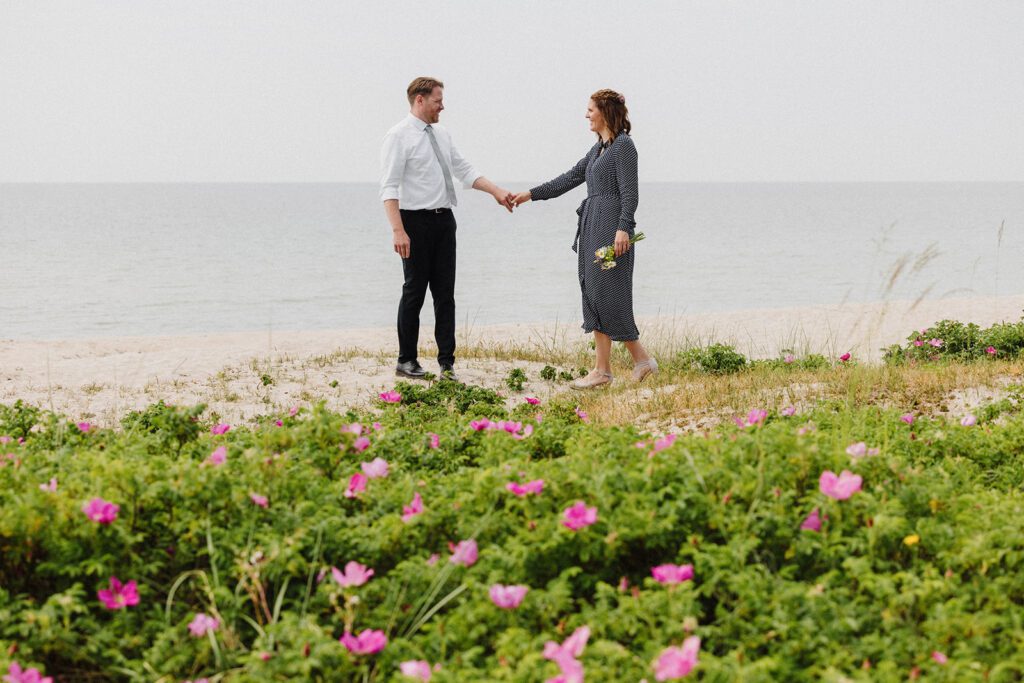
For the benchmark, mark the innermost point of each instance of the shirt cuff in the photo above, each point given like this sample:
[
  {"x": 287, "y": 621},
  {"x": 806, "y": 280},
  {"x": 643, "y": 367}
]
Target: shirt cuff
[
  {"x": 470, "y": 178},
  {"x": 387, "y": 193}
]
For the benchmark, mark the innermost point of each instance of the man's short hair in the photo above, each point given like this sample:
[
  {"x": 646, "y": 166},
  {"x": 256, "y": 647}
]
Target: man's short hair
[{"x": 424, "y": 85}]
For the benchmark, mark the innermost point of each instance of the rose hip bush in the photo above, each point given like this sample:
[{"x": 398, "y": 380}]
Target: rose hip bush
[{"x": 772, "y": 550}]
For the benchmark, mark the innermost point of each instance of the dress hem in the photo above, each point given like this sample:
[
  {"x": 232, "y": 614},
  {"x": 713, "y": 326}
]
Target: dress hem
[{"x": 615, "y": 338}]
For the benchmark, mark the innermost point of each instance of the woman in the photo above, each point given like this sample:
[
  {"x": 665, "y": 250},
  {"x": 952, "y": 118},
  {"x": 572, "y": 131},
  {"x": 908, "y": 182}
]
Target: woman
[{"x": 605, "y": 218}]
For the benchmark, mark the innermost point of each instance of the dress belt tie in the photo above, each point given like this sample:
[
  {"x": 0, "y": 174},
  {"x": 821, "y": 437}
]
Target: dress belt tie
[{"x": 580, "y": 211}]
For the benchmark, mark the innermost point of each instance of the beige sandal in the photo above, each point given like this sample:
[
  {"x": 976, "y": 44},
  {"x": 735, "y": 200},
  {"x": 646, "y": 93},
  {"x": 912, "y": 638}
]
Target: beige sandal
[
  {"x": 589, "y": 382},
  {"x": 644, "y": 368}
]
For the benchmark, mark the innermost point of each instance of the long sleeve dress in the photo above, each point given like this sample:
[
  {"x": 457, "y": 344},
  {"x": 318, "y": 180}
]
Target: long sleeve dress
[{"x": 611, "y": 201}]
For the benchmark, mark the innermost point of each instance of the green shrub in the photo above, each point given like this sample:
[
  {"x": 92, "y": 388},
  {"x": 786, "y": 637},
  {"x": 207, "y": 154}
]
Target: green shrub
[
  {"x": 173, "y": 425},
  {"x": 717, "y": 359},
  {"x": 515, "y": 379},
  {"x": 18, "y": 420},
  {"x": 926, "y": 557},
  {"x": 954, "y": 340}
]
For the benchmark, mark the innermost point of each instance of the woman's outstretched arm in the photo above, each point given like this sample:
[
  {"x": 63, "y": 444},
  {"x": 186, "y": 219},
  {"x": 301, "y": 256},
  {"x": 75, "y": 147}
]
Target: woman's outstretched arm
[{"x": 572, "y": 178}]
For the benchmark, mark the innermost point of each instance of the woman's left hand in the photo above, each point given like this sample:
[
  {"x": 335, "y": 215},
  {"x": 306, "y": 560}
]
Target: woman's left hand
[{"x": 622, "y": 244}]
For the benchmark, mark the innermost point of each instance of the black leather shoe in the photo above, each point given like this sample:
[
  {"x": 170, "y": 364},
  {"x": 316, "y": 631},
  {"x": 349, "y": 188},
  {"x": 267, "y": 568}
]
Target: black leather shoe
[
  {"x": 448, "y": 372},
  {"x": 410, "y": 369}
]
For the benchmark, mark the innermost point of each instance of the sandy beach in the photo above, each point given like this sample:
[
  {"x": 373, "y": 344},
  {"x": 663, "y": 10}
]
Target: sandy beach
[{"x": 241, "y": 376}]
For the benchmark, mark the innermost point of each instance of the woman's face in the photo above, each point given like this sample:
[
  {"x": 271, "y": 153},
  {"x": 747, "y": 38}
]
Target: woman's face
[{"x": 594, "y": 114}]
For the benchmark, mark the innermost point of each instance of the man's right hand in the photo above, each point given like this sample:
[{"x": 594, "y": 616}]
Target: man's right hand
[{"x": 402, "y": 244}]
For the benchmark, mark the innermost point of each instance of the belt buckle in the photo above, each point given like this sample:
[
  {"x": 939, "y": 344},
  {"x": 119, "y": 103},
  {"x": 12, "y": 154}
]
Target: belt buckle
[{"x": 438, "y": 210}]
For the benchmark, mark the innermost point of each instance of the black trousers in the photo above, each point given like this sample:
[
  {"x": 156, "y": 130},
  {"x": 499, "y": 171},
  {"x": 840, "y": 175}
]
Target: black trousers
[{"x": 431, "y": 263}]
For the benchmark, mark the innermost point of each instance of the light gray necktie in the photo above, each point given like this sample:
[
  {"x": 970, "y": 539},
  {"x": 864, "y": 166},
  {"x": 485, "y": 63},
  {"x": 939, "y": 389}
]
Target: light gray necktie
[{"x": 448, "y": 184}]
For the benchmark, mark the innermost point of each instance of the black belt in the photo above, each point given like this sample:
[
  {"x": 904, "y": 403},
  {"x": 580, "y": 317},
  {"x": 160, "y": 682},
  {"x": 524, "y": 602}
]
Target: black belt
[{"x": 427, "y": 210}]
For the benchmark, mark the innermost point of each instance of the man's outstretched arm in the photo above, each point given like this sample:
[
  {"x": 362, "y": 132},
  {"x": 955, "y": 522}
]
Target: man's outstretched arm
[{"x": 502, "y": 196}]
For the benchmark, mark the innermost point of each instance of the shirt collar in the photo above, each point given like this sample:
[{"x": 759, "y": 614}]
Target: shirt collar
[{"x": 416, "y": 123}]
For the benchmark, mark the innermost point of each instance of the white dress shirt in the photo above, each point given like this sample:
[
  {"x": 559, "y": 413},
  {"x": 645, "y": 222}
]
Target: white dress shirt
[{"x": 409, "y": 169}]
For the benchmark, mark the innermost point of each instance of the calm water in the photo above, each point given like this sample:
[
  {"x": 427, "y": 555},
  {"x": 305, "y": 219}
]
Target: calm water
[{"x": 96, "y": 260}]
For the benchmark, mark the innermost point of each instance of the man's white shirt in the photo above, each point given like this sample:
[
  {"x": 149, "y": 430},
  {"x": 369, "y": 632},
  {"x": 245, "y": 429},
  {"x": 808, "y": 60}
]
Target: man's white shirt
[{"x": 410, "y": 172}]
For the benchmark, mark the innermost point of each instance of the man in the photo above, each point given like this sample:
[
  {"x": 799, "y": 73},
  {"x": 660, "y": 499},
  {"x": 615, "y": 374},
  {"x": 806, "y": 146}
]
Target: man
[{"x": 418, "y": 163}]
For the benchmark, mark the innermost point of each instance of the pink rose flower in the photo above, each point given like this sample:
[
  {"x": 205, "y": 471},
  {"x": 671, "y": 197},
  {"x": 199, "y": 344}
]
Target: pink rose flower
[
  {"x": 839, "y": 487},
  {"x": 414, "y": 668},
  {"x": 101, "y": 511},
  {"x": 376, "y": 468},
  {"x": 754, "y": 418},
  {"x": 535, "y": 486},
  {"x": 566, "y": 655},
  {"x": 677, "y": 662},
  {"x": 218, "y": 457},
  {"x": 672, "y": 574},
  {"x": 84, "y": 427},
  {"x": 507, "y": 597},
  {"x": 845, "y": 357},
  {"x": 860, "y": 449},
  {"x": 812, "y": 521},
  {"x": 361, "y": 444},
  {"x": 578, "y": 516},
  {"x": 50, "y": 486},
  {"x": 356, "y": 485},
  {"x": 435, "y": 440},
  {"x": 939, "y": 657},
  {"x": 412, "y": 509},
  {"x": 257, "y": 499},
  {"x": 663, "y": 443},
  {"x": 532, "y": 401},
  {"x": 355, "y": 574},
  {"x": 367, "y": 642},
  {"x": 391, "y": 397},
  {"x": 464, "y": 553},
  {"x": 202, "y": 624},
  {"x": 15, "y": 674},
  {"x": 220, "y": 429},
  {"x": 119, "y": 595}
]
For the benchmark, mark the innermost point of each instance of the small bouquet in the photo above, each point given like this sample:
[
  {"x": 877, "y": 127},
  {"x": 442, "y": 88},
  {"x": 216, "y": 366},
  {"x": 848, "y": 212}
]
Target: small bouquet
[{"x": 606, "y": 255}]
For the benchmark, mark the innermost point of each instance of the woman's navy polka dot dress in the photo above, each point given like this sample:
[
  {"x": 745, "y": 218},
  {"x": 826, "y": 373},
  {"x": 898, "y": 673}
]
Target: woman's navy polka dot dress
[{"x": 611, "y": 201}]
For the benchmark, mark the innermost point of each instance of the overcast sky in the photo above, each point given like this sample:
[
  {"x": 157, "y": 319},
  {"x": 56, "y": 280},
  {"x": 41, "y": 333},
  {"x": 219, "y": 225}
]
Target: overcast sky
[{"x": 301, "y": 90}]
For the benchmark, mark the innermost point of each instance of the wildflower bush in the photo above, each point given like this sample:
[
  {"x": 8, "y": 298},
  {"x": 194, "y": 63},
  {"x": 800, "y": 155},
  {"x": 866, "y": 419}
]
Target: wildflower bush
[
  {"x": 718, "y": 359},
  {"x": 442, "y": 537},
  {"x": 954, "y": 340},
  {"x": 722, "y": 359}
]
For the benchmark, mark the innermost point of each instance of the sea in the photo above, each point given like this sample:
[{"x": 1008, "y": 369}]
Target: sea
[{"x": 100, "y": 260}]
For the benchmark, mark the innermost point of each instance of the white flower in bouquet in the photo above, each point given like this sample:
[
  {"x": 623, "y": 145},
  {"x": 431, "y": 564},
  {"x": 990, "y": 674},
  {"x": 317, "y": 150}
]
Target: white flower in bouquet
[{"x": 606, "y": 255}]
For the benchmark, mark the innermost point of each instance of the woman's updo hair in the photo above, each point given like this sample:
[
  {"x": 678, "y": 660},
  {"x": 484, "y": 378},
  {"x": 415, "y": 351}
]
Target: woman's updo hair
[{"x": 612, "y": 106}]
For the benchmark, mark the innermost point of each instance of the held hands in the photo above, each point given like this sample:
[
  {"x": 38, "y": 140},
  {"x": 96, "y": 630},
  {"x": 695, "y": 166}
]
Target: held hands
[
  {"x": 521, "y": 198},
  {"x": 504, "y": 198}
]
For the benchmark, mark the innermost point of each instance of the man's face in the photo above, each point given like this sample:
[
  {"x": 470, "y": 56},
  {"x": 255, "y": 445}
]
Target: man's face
[{"x": 433, "y": 105}]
